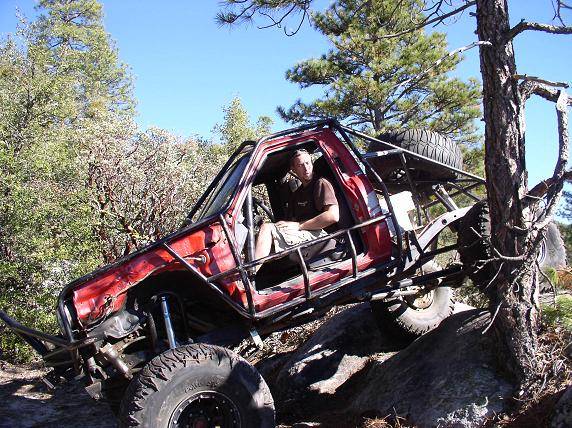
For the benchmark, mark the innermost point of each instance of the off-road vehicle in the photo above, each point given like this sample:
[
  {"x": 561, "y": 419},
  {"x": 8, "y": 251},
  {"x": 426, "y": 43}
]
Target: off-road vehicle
[{"x": 154, "y": 330}]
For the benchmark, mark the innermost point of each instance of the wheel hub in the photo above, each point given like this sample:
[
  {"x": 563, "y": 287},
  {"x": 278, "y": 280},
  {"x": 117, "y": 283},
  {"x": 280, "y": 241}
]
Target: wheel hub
[
  {"x": 421, "y": 301},
  {"x": 207, "y": 409}
]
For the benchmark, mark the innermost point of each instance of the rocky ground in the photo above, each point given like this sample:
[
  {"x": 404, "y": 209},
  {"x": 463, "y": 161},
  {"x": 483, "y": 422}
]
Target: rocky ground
[
  {"x": 29, "y": 402},
  {"x": 340, "y": 371}
]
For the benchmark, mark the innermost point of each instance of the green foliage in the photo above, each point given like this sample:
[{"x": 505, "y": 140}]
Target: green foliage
[
  {"x": 381, "y": 83},
  {"x": 80, "y": 185},
  {"x": 237, "y": 128},
  {"x": 566, "y": 210},
  {"x": 59, "y": 79},
  {"x": 559, "y": 314}
]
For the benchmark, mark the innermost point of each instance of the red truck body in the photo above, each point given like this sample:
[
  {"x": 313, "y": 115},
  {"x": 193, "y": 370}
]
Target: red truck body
[{"x": 209, "y": 249}]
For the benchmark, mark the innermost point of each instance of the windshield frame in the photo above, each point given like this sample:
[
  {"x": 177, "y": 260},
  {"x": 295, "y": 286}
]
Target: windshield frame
[{"x": 237, "y": 162}]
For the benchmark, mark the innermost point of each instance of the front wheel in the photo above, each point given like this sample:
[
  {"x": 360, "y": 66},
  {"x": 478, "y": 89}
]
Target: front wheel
[{"x": 198, "y": 386}]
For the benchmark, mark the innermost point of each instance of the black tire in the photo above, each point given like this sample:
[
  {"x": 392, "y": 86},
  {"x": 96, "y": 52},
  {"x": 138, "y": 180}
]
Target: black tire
[
  {"x": 176, "y": 386},
  {"x": 430, "y": 144},
  {"x": 403, "y": 318},
  {"x": 474, "y": 242}
]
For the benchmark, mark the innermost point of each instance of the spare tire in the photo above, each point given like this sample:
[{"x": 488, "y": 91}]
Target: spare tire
[
  {"x": 429, "y": 144},
  {"x": 552, "y": 251}
]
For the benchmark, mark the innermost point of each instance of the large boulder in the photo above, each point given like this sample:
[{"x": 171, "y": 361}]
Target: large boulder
[
  {"x": 445, "y": 378},
  {"x": 338, "y": 349},
  {"x": 349, "y": 366}
]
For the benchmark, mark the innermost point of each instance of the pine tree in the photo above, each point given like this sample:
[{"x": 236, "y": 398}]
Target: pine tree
[
  {"x": 380, "y": 83},
  {"x": 61, "y": 82},
  {"x": 237, "y": 128}
]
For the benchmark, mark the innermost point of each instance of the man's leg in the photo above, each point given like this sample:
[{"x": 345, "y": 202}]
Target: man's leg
[{"x": 263, "y": 242}]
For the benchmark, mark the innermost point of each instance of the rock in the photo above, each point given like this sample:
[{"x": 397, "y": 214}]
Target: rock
[
  {"x": 444, "y": 378},
  {"x": 27, "y": 402},
  {"x": 462, "y": 307},
  {"x": 338, "y": 349},
  {"x": 307, "y": 425},
  {"x": 562, "y": 413}
]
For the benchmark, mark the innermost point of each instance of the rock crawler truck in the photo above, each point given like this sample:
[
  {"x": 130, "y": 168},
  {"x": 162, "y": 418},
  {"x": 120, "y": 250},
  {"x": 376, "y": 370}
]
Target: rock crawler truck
[{"x": 152, "y": 333}]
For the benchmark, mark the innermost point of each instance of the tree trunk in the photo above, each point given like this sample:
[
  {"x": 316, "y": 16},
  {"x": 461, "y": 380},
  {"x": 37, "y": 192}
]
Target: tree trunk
[{"x": 513, "y": 295}]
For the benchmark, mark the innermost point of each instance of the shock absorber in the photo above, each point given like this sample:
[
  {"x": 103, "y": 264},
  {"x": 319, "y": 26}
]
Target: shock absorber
[{"x": 168, "y": 322}]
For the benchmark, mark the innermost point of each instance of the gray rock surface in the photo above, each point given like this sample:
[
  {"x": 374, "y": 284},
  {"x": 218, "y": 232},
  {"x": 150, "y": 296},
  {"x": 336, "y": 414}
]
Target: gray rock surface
[
  {"x": 445, "y": 378},
  {"x": 337, "y": 350},
  {"x": 562, "y": 414}
]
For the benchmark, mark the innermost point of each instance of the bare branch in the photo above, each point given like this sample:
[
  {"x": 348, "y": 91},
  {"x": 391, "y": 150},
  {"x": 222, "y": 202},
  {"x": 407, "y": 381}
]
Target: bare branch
[
  {"x": 541, "y": 88},
  {"x": 493, "y": 318},
  {"x": 528, "y": 78},
  {"x": 538, "y": 191},
  {"x": 536, "y": 26},
  {"x": 558, "y": 6},
  {"x": 552, "y": 187}
]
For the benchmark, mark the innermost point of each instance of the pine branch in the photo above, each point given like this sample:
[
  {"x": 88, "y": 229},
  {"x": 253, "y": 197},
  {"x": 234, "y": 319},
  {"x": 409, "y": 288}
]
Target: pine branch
[
  {"x": 428, "y": 21},
  {"x": 417, "y": 78}
]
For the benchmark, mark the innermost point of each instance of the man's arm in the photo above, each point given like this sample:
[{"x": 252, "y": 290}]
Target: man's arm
[{"x": 326, "y": 218}]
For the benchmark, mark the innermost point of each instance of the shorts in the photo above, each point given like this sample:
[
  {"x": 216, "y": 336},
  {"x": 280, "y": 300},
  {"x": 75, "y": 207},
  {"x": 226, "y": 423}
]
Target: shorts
[{"x": 285, "y": 237}]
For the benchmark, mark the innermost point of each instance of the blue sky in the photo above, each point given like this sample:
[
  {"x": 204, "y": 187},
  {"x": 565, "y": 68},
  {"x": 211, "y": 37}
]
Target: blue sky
[{"x": 187, "y": 68}]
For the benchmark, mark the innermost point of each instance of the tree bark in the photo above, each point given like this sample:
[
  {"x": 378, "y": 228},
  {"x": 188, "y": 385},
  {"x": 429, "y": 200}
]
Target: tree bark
[{"x": 513, "y": 295}]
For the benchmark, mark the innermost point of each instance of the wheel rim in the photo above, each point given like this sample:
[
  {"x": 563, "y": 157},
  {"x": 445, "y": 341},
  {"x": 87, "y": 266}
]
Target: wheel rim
[
  {"x": 422, "y": 301},
  {"x": 206, "y": 409}
]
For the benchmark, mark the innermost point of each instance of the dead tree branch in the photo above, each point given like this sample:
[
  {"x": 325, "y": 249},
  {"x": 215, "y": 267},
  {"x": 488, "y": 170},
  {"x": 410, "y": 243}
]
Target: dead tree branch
[
  {"x": 538, "y": 191},
  {"x": 536, "y": 26},
  {"x": 559, "y": 5},
  {"x": 528, "y": 78},
  {"x": 550, "y": 189}
]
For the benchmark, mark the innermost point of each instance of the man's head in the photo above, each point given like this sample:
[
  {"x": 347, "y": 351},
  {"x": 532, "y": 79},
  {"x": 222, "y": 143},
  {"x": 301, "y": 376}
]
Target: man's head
[{"x": 301, "y": 165}]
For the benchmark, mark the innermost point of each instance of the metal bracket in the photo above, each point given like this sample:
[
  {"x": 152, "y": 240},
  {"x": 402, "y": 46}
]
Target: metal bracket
[{"x": 256, "y": 338}]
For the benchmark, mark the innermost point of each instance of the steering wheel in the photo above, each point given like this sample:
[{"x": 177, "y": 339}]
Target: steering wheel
[{"x": 259, "y": 204}]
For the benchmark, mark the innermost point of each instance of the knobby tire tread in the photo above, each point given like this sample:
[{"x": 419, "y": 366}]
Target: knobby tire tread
[{"x": 162, "y": 369}]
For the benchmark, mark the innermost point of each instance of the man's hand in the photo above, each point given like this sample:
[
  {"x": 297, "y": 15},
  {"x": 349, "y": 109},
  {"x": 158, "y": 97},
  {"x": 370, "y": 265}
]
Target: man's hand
[{"x": 292, "y": 225}]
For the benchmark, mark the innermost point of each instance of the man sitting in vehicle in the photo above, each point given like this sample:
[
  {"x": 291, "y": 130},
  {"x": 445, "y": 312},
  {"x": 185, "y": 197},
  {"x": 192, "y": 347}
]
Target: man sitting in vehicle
[{"x": 312, "y": 208}]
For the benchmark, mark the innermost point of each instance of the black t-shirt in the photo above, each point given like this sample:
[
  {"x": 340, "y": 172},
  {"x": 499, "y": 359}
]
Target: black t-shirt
[{"x": 309, "y": 201}]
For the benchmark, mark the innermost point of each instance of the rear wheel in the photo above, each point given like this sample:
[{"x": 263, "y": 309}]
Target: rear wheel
[
  {"x": 474, "y": 241},
  {"x": 412, "y": 316},
  {"x": 198, "y": 386}
]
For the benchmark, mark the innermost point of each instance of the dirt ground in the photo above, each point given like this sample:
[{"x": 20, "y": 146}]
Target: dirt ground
[{"x": 28, "y": 402}]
